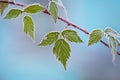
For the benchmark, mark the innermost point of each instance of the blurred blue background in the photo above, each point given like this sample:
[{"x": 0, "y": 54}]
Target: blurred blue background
[{"x": 22, "y": 59}]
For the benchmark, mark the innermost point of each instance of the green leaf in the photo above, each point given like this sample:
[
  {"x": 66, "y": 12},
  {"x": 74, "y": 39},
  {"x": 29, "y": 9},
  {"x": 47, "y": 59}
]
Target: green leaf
[
  {"x": 49, "y": 39},
  {"x": 95, "y": 37},
  {"x": 62, "y": 51},
  {"x": 113, "y": 44},
  {"x": 13, "y": 13},
  {"x": 72, "y": 36},
  {"x": 3, "y": 6},
  {"x": 29, "y": 26},
  {"x": 35, "y": 8},
  {"x": 53, "y": 10}
]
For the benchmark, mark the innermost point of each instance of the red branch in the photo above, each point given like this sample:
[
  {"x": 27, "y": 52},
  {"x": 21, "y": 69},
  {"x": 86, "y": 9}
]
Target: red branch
[{"x": 67, "y": 22}]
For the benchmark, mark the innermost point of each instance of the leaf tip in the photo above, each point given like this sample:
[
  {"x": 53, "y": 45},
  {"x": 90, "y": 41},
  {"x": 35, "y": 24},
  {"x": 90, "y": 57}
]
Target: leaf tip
[
  {"x": 89, "y": 44},
  {"x": 40, "y": 44},
  {"x": 65, "y": 67}
]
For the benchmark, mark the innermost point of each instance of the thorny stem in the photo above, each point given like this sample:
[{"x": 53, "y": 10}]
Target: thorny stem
[{"x": 67, "y": 22}]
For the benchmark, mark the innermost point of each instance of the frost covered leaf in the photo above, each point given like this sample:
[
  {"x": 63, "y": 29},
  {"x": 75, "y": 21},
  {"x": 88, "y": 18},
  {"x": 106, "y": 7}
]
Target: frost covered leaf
[
  {"x": 59, "y": 2},
  {"x": 62, "y": 51},
  {"x": 112, "y": 36},
  {"x": 95, "y": 37},
  {"x": 35, "y": 8},
  {"x": 3, "y": 6},
  {"x": 110, "y": 31},
  {"x": 113, "y": 44},
  {"x": 49, "y": 39},
  {"x": 29, "y": 26},
  {"x": 13, "y": 13},
  {"x": 72, "y": 36},
  {"x": 53, "y": 10}
]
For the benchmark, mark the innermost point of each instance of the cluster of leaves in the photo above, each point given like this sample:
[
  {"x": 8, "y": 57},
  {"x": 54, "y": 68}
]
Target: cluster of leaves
[
  {"x": 111, "y": 35},
  {"x": 28, "y": 21},
  {"x": 61, "y": 48},
  {"x": 32, "y": 9}
]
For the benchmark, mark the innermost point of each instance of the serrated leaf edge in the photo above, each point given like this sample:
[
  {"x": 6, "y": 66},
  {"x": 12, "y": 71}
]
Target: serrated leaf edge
[{"x": 46, "y": 37}]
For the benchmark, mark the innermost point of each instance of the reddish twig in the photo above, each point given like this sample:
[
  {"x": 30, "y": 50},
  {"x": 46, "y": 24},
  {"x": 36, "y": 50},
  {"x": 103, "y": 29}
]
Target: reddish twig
[
  {"x": 67, "y": 22},
  {"x": 18, "y": 4}
]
